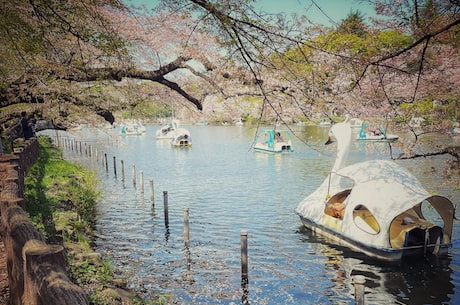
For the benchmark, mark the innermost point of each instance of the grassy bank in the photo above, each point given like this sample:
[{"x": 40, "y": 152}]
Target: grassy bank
[{"x": 61, "y": 200}]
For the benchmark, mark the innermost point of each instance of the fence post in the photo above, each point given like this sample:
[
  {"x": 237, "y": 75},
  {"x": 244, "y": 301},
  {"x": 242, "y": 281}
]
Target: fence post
[
  {"x": 186, "y": 228},
  {"x": 152, "y": 196},
  {"x": 106, "y": 164},
  {"x": 134, "y": 175},
  {"x": 115, "y": 166},
  {"x": 141, "y": 181},
  {"x": 122, "y": 170},
  {"x": 244, "y": 266},
  {"x": 166, "y": 208}
]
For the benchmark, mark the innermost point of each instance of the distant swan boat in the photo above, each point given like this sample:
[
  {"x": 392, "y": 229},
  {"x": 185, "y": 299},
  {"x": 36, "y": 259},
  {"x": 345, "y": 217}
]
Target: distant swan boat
[
  {"x": 168, "y": 130},
  {"x": 273, "y": 141},
  {"x": 376, "y": 135}
]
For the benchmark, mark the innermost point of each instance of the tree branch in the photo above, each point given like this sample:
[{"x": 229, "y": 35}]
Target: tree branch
[
  {"x": 94, "y": 74},
  {"x": 453, "y": 151}
]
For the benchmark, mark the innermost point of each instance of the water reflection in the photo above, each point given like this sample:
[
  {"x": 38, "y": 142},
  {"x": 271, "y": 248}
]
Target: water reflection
[{"x": 412, "y": 281}]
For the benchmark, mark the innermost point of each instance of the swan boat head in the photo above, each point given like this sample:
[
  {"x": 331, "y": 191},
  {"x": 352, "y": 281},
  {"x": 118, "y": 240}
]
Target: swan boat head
[
  {"x": 340, "y": 133},
  {"x": 312, "y": 206}
]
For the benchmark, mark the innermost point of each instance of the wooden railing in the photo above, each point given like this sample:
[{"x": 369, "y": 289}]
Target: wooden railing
[{"x": 37, "y": 271}]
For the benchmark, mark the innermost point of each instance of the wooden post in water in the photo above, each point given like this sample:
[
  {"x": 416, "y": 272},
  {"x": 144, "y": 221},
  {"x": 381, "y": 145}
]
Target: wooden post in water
[
  {"x": 122, "y": 170},
  {"x": 166, "y": 212},
  {"x": 115, "y": 166},
  {"x": 359, "y": 281},
  {"x": 141, "y": 181},
  {"x": 186, "y": 228},
  {"x": 152, "y": 197},
  {"x": 244, "y": 255},
  {"x": 134, "y": 175},
  {"x": 106, "y": 164},
  {"x": 244, "y": 266}
]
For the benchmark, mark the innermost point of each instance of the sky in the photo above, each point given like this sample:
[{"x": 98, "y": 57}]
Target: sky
[{"x": 330, "y": 12}]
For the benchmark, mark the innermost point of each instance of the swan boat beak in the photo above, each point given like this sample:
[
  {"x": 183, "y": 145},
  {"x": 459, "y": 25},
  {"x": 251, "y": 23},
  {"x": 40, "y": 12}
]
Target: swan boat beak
[{"x": 330, "y": 140}]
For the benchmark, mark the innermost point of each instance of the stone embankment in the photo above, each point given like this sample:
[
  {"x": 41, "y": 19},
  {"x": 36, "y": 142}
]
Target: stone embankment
[{"x": 32, "y": 272}]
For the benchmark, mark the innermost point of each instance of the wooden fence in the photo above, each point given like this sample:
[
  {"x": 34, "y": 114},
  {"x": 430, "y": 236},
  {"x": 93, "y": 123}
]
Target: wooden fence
[{"x": 37, "y": 271}]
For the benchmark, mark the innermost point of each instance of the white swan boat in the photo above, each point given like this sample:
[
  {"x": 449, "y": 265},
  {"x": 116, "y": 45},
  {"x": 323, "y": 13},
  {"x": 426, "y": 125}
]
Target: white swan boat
[
  {"x": 130, "y": 129},
  {"x": 181, "y": 138},
  {"x": 168, "y": 130},
  {"x": 377, "y": 208},
  {"x": 273, "y": 141},
  {"x": 375, "y": 135}
]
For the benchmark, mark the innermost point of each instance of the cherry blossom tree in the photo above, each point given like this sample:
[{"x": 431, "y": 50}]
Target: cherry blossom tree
[
  {"x": 291, "y": 64},
  {"x": 51, "y": 47}
]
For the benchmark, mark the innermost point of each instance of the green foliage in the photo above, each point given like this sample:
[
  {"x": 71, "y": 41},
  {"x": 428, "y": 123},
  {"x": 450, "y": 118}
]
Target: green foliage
[
  {"x": 54, "y": 189},
  {"x": 353, "y": 24},
  {"x": 364, "y": 46},
  {"x": 297, "y": 60},
  {"x": 85, "y": 272},
  {"x": 434, "y": 112},
  {"x": 350, "y": 44},
  {"x": 417, "y": 108},
  {"x": 390, "y": 40}
]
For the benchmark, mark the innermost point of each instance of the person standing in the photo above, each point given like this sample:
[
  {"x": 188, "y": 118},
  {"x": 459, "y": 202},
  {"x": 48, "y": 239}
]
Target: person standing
[{"x": 26, "y": 126}]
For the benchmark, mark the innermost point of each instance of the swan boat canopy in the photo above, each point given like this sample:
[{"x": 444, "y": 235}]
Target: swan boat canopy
[
  {"x": 167, "y": 131},
  {"x": 375, "y": 135},
  {"x": 377, "y": 208},
  {"x": 181, "y": 138},
  {"x": 273, "y": 141}
]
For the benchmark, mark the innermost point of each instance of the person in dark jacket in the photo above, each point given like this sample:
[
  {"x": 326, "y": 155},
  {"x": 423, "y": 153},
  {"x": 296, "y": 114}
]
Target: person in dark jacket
[{"x": 26, "y": 126}]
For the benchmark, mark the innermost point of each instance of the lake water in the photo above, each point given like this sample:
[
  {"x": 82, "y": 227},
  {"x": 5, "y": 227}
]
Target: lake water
[{"x": 229, "y": 188}]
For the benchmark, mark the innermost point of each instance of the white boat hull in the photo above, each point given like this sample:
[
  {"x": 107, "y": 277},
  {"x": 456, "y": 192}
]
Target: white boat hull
[
  {"x": 278, "y": 149},
  {"x": 386, "y": 254}
]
